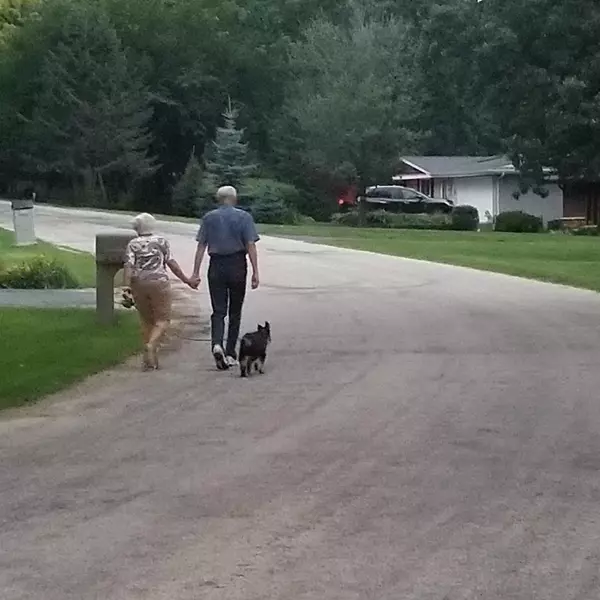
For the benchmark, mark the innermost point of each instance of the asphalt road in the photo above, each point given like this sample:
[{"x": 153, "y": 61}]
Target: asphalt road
[{"x": 422, "y": 432}]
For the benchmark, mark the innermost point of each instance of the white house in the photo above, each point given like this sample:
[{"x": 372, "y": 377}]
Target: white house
[{"x": 487, "y": 182}]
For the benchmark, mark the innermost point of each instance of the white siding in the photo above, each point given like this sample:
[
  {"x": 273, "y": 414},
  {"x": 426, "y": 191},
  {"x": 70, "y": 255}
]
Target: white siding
[
  {"x": 476, "y": 191},
  {"x": 548, "y": 208}
]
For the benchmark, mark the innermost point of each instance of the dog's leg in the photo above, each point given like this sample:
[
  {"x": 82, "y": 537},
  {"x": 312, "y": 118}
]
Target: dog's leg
[
  {"x": 244, "y": 366},
  {"x": 251, "y": 366},
  {"x": 261, "y": 364}
]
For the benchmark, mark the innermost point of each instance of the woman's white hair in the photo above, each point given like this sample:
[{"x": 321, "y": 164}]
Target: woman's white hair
[{"x": 144, "y": 224}]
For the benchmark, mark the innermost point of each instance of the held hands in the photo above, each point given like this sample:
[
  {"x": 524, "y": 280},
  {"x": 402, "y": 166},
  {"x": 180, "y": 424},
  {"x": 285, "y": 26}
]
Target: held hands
[{"x": 194, "y": 281}]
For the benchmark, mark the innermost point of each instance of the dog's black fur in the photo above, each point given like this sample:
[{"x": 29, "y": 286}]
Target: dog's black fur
[{"x": 253, "y": 350}]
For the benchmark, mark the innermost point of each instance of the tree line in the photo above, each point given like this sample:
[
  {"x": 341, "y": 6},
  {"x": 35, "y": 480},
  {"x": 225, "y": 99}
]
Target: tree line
[{"x": 144, "y": 103}]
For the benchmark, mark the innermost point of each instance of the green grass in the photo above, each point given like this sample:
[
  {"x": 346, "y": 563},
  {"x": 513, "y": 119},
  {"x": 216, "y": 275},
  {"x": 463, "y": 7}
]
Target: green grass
[
  {"x": 46, "y": 350},
  {"x": 557, "y": 258},
  {"x": 81, "y": 264}
]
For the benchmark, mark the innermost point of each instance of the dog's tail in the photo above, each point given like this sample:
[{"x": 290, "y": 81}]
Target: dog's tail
[{"x": 244, "y": 345}]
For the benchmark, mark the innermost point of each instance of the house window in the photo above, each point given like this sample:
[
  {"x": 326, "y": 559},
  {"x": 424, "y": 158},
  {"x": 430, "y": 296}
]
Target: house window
[
  {"x": 426, "y": 187},
  {"x": 448, "y": 189}
]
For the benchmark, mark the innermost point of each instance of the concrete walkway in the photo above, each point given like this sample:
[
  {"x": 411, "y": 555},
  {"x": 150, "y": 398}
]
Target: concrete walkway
[{"x": 49, "y": 298}]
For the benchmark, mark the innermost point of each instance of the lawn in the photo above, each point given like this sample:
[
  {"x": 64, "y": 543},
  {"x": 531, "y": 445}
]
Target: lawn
[
  {"x": 45, "y": 350},
  {"x": 557, "y": 258},
  {"x": 81, "y": 264}
]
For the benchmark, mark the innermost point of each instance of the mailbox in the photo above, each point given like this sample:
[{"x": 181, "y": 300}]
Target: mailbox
[
  {"x": 110, "y": 257},
  {"x": 22, "y": 211}
]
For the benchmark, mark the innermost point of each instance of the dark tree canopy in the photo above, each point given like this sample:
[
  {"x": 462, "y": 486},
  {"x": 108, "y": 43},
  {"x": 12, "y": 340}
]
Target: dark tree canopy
[{"x": 105, "y": 102}]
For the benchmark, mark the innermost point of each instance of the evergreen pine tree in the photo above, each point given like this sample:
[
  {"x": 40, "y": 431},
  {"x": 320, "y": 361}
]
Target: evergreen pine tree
[
  {"x": 187, "y": 194},
  {"x": 228, "y": 163}
]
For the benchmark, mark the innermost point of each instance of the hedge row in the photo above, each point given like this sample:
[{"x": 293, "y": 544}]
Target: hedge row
[{"x": 463, "y": 218}]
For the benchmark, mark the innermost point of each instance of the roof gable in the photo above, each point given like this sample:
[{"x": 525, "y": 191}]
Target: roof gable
[{"x": 454, "y": 166}]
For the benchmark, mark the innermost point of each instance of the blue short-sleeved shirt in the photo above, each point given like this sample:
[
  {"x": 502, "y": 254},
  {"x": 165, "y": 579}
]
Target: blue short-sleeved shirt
[{"x": 227, "y": 230}]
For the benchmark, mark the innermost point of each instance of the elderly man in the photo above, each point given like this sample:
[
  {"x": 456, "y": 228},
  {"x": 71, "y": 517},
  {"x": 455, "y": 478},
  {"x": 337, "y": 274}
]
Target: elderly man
[{"x": 229, "y": 234}]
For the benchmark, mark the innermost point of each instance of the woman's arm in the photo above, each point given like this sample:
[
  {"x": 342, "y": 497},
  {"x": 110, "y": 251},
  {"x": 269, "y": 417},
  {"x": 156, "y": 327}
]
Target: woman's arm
[
  {"x": 126, "y": 276},
  {"x": 176, "y": 270},
  {"x": 128, "y": 264},
  {"x": 173, "y": 264}
]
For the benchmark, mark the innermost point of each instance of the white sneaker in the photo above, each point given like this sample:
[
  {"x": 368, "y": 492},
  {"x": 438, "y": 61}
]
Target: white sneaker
[
  {"x": 219, "y": 357},
  {"x": 231, "y": 362}
]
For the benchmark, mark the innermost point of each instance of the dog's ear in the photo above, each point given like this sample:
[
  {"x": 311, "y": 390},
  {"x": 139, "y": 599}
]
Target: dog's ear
[
  {"x": 267, "y": 326},
  {"x": 259, "y": 327}
]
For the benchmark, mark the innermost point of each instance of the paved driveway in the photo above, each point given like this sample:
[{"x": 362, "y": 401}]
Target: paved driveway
[{"x": 423, "y": 433}]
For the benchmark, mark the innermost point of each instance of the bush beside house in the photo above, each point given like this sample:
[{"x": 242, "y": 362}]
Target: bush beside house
[
  {"x": 518, "y": 222},
  {"x": 465, "y": 218}
]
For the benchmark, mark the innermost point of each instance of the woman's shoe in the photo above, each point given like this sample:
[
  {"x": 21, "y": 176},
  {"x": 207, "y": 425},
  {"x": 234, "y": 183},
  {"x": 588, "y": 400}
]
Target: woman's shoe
[{"x": 150, "y": 358}]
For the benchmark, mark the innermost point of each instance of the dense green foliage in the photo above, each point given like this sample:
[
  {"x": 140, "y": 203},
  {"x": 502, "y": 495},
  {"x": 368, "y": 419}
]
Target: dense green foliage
[
  {"x": 43, "y": 265},
  {"x": 516, "y": 221},
  {"x": 271, "y": 201},
  {"x": 40, "y": 273},
  {"x": 388, "y": 220},
  {"x": 152, "y": 103},
  {"x": 465, "y": 218}
]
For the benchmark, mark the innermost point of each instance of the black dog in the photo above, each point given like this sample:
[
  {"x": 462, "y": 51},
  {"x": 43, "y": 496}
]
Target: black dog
[{"x": 253, "y": 350}]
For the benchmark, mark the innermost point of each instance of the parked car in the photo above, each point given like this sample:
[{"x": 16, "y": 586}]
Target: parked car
[{"x": 397, "y": 198}]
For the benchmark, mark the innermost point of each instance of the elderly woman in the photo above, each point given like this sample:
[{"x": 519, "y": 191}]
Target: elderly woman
[{"x": 146, "y": 279}]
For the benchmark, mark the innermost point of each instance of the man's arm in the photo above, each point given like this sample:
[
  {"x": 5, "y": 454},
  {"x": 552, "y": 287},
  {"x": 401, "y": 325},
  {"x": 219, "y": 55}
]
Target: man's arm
[
  {"x": 199, "y": 256},
  {"x": 251, "y": 237},
  {"x": 200, "y": 251},
  {"x": 253, "y": 256}
]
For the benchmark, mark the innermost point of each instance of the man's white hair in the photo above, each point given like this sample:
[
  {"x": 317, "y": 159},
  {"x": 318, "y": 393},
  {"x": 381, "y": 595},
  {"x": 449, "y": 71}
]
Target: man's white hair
[
  {"x": 226, "y": 192},
  {"x": 144, "y": 224}
]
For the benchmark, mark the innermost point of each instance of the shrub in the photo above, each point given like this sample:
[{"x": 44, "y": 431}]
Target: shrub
[
  {"x": 555, "y": 225},
  {"x": 270, "y": 201},
  {"x": 518, "y": 222},
  {"x": 465, "y": 218},
  {"x": 586, "y": 230},
  {"x": 348, "y": 219},
  {"x": 254, "y": 189},
  {"x": 272, "y": 211},
  {"x": 378, "y": 218},
  {"x": 305, "y": 220},
  {"x": 389, "y": 220},
  {"x": 38, "y": 274},
  {"x": 419, "y": 221}
]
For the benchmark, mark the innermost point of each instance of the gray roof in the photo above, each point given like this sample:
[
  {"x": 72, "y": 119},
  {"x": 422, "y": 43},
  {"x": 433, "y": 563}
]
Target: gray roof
[{"x": 459, "y": 166}]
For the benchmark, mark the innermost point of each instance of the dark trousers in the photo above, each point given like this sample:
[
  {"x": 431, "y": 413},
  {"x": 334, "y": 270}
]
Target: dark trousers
[{"x": 227, "y": 286}]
